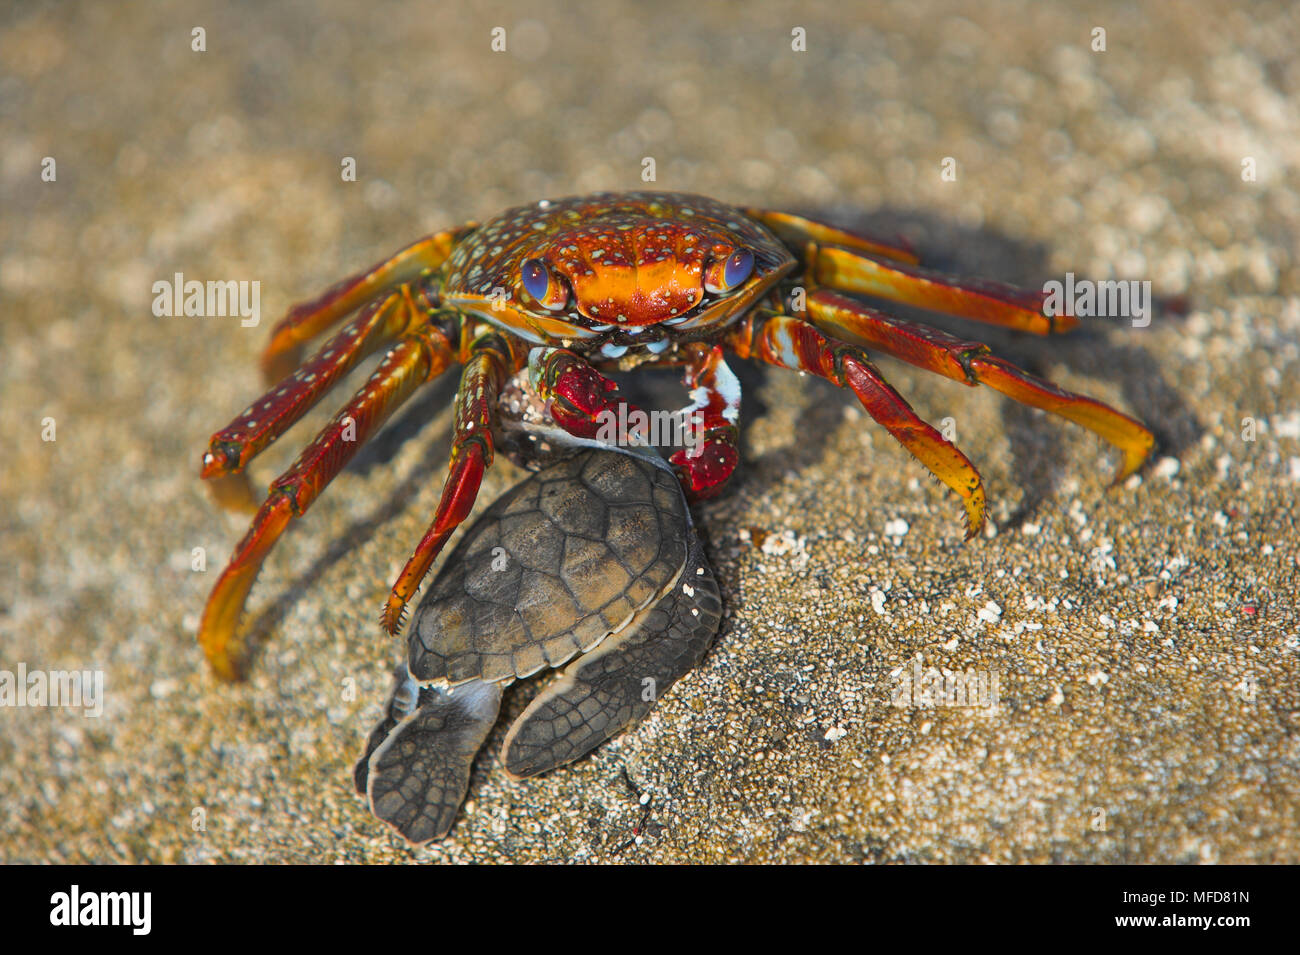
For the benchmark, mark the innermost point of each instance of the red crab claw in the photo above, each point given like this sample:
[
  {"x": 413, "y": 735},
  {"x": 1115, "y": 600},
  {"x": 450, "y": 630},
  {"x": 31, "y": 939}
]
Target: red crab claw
[
  {"x": 582, "y": 400},
  {"x": 704, "y": 468},
  {"x": 704, "y": 471}
]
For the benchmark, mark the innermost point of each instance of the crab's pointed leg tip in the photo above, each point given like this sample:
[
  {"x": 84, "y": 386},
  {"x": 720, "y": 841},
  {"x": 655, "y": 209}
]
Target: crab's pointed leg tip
[
  {"x": 393, "y": 616},
  {"x": 228, "y": 669},
  {"x": 213, "y": 464},
  {"x": 976, "y": 516},
  {"x": 1134, "y": 461}
]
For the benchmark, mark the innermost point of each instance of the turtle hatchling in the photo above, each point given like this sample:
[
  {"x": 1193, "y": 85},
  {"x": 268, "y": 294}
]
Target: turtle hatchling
[{"x": 592, "y": 562}]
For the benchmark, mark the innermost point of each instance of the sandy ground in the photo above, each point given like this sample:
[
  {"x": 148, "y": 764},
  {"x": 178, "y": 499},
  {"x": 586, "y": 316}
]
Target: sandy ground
[{"x": 1144, "y": 639}]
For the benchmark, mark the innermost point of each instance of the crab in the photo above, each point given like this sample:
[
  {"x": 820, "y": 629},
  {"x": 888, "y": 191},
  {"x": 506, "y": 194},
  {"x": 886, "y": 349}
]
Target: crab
[
  {"x": 568, "y": 290},
  {"x": 593, "y": 558}
]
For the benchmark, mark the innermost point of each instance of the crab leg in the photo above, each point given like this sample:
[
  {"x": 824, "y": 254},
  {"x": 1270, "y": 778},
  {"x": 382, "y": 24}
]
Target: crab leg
[
  {"x": 277, "y": 410},
  {"x": 978, "y": 299},
  {"x": 306, "y": 320},
  {"x": 798, "y": 231},
  {"x": 489, "y": 364},
  {"x": 972, "y": 363},
  {"x": 793, "y": 343},
  {"x": 852, "y": 262},
  {"x": 407, "y": 365}
]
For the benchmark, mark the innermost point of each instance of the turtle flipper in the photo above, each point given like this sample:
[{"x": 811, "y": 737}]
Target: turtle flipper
[
  {"x": 417, "y": 763},
  {"x": 401, "y": 702},
  {"x": 618, "y": 683}
]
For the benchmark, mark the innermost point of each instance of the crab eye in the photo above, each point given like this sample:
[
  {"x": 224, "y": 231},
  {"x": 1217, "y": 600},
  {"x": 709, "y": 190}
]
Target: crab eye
[
  {"x": 729, "y": 273},
  {"x": 541, "y": 283}
]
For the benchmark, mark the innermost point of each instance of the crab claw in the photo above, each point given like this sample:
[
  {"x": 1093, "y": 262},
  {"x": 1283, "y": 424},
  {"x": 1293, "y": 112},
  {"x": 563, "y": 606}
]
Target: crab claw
[
  {"x": 704, "y": 470},
  {"x": 581, "y": 399}
]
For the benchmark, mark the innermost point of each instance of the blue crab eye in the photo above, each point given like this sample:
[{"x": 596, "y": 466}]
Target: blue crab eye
[
  {"x": 536, "y": 278},
  {"x": 729, "y": 273},
  {"x": 739, "y": 267},
  {"x": 548, "y": 289}
]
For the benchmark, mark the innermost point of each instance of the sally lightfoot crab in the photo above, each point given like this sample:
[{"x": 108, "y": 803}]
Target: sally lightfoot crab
[{"x": 570, "y": 288}]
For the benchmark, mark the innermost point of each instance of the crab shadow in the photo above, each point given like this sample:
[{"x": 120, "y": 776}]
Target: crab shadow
[{"x": 1104, "y": 349}]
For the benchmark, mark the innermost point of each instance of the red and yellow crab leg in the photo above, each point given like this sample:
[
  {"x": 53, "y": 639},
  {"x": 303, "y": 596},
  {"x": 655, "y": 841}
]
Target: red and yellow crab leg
[
  {"x": 793, "y": 343},
  {"x": 797, "y": 232},
  {"x": 407, "y": 365},
  {"x": 973, "y": 363},
  {"x": 306, "y": 320},
  {"x": 231, "y": 448},
  {"x": 852, "y": 262},
  {"x": 705, "y": 467},
  {"x": 488, "y": 365},
  {"x": 991, "y": 302}
]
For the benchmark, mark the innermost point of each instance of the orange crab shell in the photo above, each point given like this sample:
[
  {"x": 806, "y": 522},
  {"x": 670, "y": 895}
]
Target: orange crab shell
[{"x": 632, "y": 260}]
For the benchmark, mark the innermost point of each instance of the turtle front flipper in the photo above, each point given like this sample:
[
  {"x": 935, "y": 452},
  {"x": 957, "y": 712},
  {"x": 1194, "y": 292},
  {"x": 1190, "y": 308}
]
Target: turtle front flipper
[
  {"x": 417, "y": 764},
  {"x": 603, "y": 692}
]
